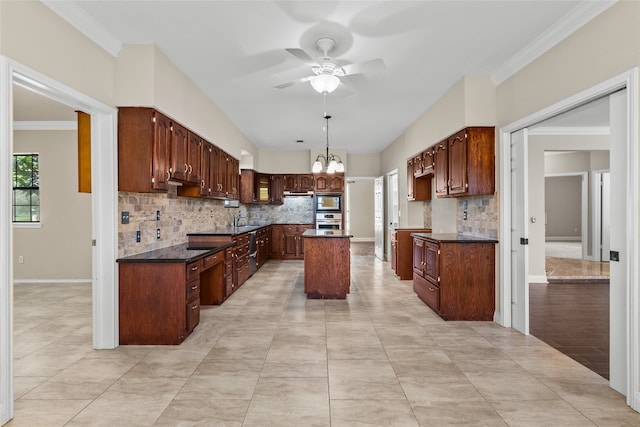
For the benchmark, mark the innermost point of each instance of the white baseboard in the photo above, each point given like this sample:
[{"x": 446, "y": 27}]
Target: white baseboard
[
  {"x": 538, "y": 278},
  {"x": 563, "y": 238},
  {"x": 497, "y": 317},
  {"x": 363, "y": 239},
  {"x": 52, "y": 281}
]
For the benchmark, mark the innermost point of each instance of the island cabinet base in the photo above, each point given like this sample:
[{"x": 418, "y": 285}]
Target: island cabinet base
[{"x": 327, "y": 267}]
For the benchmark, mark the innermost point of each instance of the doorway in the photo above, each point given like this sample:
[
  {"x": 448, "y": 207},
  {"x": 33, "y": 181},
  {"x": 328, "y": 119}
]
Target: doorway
[
  {"x": 393, "y": 208},
  {"x": 624, "y": 354},
  {"x": 104, "y": 213}
]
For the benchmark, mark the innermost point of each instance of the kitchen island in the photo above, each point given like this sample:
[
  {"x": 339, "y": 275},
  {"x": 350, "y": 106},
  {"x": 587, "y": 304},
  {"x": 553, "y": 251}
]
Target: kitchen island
[{"x": 327, "y": 263}]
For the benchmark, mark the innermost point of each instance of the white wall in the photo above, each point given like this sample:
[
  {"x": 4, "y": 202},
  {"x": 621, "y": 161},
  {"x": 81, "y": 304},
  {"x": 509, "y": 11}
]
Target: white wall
[
  {"x": 61, "y": 249},
  {"x": 563, "y": 206},
  {"x": 361, "y": 209}
]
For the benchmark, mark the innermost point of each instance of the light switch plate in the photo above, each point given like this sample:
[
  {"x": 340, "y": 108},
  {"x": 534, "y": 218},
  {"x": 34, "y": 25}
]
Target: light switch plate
[{"x": 124, "y": 219}]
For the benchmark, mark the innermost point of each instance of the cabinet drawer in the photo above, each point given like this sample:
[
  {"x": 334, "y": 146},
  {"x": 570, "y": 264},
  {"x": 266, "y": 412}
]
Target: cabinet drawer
[
  {"x": 193, "y": 314},
  {"x": 213, "y": 259},
  {"x": 242, "y": 239},
  {"x": 193, "y": 290},
  {"x": 427, "y": 292},
  {"x": 242, "y": 260},
  {"x": 243, "y": 273},
  {"x": 229, "y": 285},
  {"x": 193, "y": 269},
  {"x": 228, "y": 268},
  {"x": 242, "y": 251},
  {"x": 290, "y": 228}
]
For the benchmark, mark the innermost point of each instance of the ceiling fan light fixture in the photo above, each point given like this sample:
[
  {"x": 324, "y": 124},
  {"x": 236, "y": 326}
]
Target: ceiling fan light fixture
[{"x": 325, "y": 83}]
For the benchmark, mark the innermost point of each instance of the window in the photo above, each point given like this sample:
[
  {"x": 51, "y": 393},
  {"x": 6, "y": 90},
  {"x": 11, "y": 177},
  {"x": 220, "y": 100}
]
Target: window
[{"x": 26, "y": 188}]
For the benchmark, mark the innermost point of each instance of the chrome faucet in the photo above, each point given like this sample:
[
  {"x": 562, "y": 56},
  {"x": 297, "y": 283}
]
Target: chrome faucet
[{"x": 236, "y": 220}]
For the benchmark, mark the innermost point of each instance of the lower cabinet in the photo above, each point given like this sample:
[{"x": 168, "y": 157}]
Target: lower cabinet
[
  {"x": 401, "y": 249},
  {"x": 455, "y": 275},
  {"x": 287, "y": 242}
]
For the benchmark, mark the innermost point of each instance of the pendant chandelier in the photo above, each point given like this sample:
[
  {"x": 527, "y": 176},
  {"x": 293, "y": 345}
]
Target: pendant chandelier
[{"x": 333, "y": 162}]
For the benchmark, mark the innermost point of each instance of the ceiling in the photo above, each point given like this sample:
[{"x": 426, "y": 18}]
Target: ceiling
[{"x": 234, "y": 52}]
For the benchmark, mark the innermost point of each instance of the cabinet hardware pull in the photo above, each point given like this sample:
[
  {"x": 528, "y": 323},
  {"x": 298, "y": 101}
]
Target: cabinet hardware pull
[
  {"x": 168, "y": 175},
  {"x": 431, "y": 289},
  {"x": 190, "y": 168},
  {"x": 193, "y": 288},
  {"x": 194, "y": 268},
  {"x": 186, "y": 168},
  {"x": 194, "y": 307},
  {"x": 202, "y": 184}
]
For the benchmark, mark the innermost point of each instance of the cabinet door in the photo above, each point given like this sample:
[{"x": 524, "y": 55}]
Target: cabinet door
[
  {"x": 179, "y": 148},
  {"x": 410, "y": 179},
  {"x": 417, "y": 165},
  {"x": 234, "y": 177},
  {"x": 336, "y": 183},
  {"x": 289, "y": 182},
  {"x": 321, "y": 183},
  {"x": 263, "y": 188},
  {"x": 441, "y": 169},
  {"x": 277, "y": 236},
  {"x": 194, "y": 154},
  {"x": 306, "y": 182},
  {"x": 432, "y": 262},
  {"x": 161, "y": 152},
  {"x": 290, "y": 243},
  {"x": 458, "y": 163},
  {"x": 427, "y": 161},
  {"x": 418, "y": 256},
  {"x": 205, "y": 169},
  {"x": 277, "y": 189}
]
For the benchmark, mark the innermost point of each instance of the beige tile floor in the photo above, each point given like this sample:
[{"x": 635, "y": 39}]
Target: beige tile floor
[{"x": 270, "y": 357}]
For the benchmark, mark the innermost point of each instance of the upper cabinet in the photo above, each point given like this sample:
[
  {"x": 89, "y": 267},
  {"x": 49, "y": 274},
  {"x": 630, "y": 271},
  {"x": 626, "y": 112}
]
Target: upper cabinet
[
  {"x": 418, "y": 186},
  {"x": 255, "y": 187},
  {"x": 144, "y": 149},
  {"x": 154, "y": 149},
  {"x": 329, "y": 183},
  {"x": 277, "y": 189},
  {"x": 298, "y": 182},
  {"x": 461, "y": 165}
]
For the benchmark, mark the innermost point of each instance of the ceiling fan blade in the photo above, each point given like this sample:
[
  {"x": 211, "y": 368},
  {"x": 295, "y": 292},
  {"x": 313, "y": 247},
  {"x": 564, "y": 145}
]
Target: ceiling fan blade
[
  {"x": 293, "y": 82},
  {"x": 364, "y": 67},
  {"x": 302, "y": 56}
]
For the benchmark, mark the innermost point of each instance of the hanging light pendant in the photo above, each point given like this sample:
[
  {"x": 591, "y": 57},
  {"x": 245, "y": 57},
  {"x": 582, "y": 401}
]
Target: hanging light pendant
[{"x": 332, "y": 161}]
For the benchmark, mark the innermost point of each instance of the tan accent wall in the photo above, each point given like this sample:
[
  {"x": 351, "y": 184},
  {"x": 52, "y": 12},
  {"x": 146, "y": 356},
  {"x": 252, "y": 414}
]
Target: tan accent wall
[{"x": 61, "y": 249}]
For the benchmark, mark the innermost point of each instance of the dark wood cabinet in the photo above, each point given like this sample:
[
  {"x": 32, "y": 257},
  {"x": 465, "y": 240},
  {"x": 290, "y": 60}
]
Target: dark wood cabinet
[
  {"x": 144, "y": 150},
  {"x": 329, "y": 183},
  {"x": 277, "y": 189},
  {"x": 255, "y": 187},
  {"x": 263, "y": 237},
  {"x": 287, "y": 242},
  {"x": 418, "y": 187},
  {"x": 298, "y": 182},
  {"x": 402, "y": 251},
  {"x": 441, "y": 157},
  {"x": 461, "y": 165},
  {"x": 159, "y": 302},
  {"x": 455, "y": 276}
]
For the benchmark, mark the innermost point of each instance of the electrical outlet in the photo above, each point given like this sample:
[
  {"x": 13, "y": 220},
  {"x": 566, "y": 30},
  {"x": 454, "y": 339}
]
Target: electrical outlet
[
  {"x": 138, "y": 236},
  {"x": 464, "y": 215},
  {"x": 157, "y": 233},
  {"x": 20, "y": 259}
]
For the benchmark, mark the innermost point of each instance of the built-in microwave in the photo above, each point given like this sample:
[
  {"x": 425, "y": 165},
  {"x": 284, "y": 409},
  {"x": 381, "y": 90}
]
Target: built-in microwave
[{"x": 328, "y": 202}]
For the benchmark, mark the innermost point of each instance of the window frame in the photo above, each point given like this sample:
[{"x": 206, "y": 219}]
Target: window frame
[{"x": 26, "y": 224}]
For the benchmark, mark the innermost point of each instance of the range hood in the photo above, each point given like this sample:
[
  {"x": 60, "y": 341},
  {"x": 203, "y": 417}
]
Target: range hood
[{"x": 299, "y": 193}]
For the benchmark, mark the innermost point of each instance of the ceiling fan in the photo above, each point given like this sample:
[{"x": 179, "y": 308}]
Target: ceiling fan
[{"x": 326, "y": 74}]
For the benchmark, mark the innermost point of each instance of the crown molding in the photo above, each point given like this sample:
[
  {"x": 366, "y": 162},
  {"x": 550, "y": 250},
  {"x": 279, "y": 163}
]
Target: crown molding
[
  {"x": 576, "y": 18},
  {"x": 570, "y": 130},
  {"x": 45, "y": 125},
  {"x": 85, "y": 23}
]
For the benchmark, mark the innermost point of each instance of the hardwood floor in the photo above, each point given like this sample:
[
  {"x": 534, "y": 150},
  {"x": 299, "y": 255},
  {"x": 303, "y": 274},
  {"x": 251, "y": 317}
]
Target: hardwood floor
[{"x": 573, "y": 318}]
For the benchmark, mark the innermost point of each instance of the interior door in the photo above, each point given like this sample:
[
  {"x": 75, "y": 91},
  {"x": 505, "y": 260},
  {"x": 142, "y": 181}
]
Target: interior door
[
  {"x": 519, "y": 233},
  {"x": 379, "y": 218},
  {"x": 618, "y": 270},
  {"x": 393, "y": 208}
]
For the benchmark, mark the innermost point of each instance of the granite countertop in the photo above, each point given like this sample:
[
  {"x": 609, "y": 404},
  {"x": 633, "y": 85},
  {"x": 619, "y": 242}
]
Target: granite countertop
[
  {"x": 454, "y": 238},
  {"x": 326, "y": 233},
  {"x": 184, "y": 252},
  {"x": 234, "y": 231}
]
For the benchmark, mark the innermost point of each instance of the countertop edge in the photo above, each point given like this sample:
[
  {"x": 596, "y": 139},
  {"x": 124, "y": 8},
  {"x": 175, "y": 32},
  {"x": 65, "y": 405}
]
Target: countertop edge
[
  {"x": 454, "y": 238},
  {"x": 148, "y": 257}
]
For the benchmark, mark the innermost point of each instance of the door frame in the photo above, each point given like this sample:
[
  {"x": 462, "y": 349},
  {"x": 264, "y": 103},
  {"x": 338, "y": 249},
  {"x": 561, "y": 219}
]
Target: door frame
[
  {"x": 628, "y": 80},
  {"x": 104, "y": 207},
  {"x": 584, "y": 210}
]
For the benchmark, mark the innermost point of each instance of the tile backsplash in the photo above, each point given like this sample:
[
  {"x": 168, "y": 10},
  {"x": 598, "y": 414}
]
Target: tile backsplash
[
  {"x": 182, "y": 215},
  {"x": 482, "y": 216}
]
